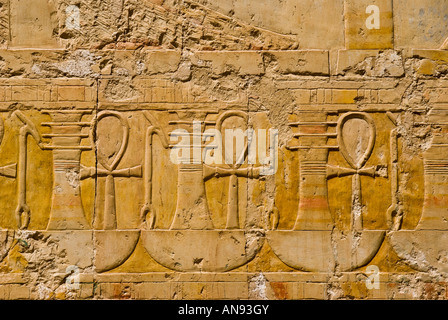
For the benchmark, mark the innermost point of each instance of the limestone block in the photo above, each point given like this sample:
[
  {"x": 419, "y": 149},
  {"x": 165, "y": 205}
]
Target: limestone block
[
  {"x": 344, "y": 96},
  {"x": 372, "y": 63},
  {"x": 310, "y": 62},
  {"x": 327, "y": 254},
  {"x": 368, "y": 24},
  {"x": 71, "y": 93},
  {"x": 302, "y": 96},
  {"x": 426, "y": 67},
  {"x": 32, "y": 26},
  {"x": 302, "y": 18},
  {"x": 77, "y": 246},
  {"x": 422, "y": 249},
  {"x": 186, "y": 250},
  {"x": 431, "y": 62},
  {"x": 223, "y": 150},
  {"x": 420, "y": 24},
  {"x": 150, "y": 290},
  {"x": 162, "y": 61},
  {"x": 108, "y": 253},
  {"x": 244, "y": 63},
  {"x": 440, "y": 56},
  {"x": 314, "y": 291},
  {"x": 18, "y": 292}
]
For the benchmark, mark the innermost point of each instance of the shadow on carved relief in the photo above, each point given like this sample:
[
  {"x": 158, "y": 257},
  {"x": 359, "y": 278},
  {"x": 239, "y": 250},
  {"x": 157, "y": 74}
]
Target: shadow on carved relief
[
  {"x": 346, "y": 162},
  {"x": 197, "y": 239}
]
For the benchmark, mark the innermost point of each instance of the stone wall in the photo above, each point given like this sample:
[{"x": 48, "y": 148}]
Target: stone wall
[{"x": 341, "y": 191}]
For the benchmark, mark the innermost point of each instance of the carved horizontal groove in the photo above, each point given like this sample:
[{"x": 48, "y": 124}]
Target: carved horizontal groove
[
  {"x": 67, "y": 111},
  {"x": 56, "y": 124},
  {"x": 211, "y": 146},
  {"x": 436, "y": 167},
  {"x": 313, "y": 172},
  {"x": 61, "y": 165},
  {"x": 175, "y": 146},
  {"x": 432, "y": 123},
  {"x": 438, "y": 145},
  {"x": 437, "y": 172},
  {"x": 313, "y": 167},
  {"x": 190, "y": 168},
  {"x": 185, "y": 134},
  {"x": 190, "y": 108},
  {"x": 328, "y": 123},
  {"x": 52, "y": 147},
  {"x": 64, "y": 163},
  {"x": 315, "y": 135},
  {"x": 436, "y": 162},
  {"x": 312, "y": 147},
  {"x": 190, "y": 122},
  {"x": 51, "y": 135}
]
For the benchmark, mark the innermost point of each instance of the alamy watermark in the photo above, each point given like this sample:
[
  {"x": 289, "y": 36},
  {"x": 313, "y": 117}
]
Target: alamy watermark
[
  {"x": 254, "y": 146},
  {"x": 73, "y": 278},
  {"x": 373, "y": 280},
  {"x": 373, "y": 20},
  {"x": 72, "y": 20}
]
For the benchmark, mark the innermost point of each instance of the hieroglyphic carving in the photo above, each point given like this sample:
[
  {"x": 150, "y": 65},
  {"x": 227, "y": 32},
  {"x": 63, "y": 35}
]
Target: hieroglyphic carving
[
  {"x": 192, "y": 241},
  {"x": 234, "y": 171},
  {"x": 67, "y": 221},
  {"x": 9, "y": 171},
  {"x": 314, "y": 213},
  {"x": 109, "y": 160},
  {"x": 148, "y": 209},
  {"x": 356, "y": 152},
  {"x": 192, "y": 210},
  {"x": 356, "y": 157},
  {"x": 426, "y": 246},
  {"x": 395, "y": 211},
  {"x": 66, "y": 146},
  {"x": 23, "y": 211},
  {"x": 152, "y": 61},
  {"x": 111, "y": 142},
  {"x": 314, "y": 230},
  {"x": 6, "y": 242}
]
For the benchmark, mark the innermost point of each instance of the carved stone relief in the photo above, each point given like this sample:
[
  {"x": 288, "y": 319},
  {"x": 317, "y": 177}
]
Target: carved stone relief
[
  {"x": 314, "y": 230},
  {"x": 196, "y": 149}
]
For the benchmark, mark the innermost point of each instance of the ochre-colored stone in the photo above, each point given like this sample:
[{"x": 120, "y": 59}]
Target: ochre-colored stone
[
  {"x": 344, "y": 96},
  {"x": 306, "y": 62},
  {"x": 368, "y": 24},
  {"x": 223, "y": 149}
]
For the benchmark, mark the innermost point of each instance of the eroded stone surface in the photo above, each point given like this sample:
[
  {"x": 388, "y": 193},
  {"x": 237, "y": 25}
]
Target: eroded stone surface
[{"x": 345, "y": 200}]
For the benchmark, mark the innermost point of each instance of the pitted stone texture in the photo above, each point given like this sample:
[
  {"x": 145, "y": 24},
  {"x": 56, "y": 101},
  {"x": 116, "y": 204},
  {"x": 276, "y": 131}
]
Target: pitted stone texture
[{"x": 341, "y": 187}]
